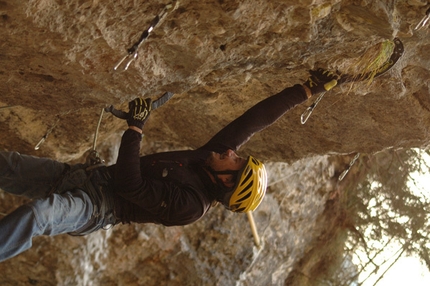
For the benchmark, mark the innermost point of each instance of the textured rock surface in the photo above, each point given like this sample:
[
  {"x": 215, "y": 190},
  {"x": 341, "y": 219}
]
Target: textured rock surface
[{"x": 219, "y": 57}]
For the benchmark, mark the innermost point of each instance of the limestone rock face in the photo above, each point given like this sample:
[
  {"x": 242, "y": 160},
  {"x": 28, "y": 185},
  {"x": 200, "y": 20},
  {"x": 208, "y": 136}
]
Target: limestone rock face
[{"x": 219, "y": 58}]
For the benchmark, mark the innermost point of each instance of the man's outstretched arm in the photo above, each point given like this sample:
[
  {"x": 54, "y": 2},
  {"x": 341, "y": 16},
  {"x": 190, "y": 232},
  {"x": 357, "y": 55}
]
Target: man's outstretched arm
[{"x": 257, "y": 118}]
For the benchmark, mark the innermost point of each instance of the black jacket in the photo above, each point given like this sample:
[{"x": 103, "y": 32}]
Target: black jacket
[{"x": 172, "y": 188}]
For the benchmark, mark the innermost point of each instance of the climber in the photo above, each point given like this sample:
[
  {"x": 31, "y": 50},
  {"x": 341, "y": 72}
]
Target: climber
[{"x": 171, "y": 188}]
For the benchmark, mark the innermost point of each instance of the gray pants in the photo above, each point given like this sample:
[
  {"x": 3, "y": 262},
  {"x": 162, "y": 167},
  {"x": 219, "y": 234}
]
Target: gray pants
[{"x": 61, "y": 201}]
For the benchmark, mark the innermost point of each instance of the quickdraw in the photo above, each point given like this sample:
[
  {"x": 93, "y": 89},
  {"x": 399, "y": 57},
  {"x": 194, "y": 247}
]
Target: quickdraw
[
  {"x": 37, "y": 147},
  {"x": 132, "y": 52},
  {"x": 344, "y": 173}
]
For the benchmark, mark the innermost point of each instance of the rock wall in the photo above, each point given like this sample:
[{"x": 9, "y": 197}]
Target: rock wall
[{"x": 219, "y": 58}]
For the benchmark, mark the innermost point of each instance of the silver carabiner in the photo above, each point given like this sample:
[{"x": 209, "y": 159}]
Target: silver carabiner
[
  {"x": 305, "y": 116},
  {"x": 423, "y": 21},
  {"x": 37, "y": 147},
  {"x": 350, "y": 166},
  {"x": 133, "y": 57}
]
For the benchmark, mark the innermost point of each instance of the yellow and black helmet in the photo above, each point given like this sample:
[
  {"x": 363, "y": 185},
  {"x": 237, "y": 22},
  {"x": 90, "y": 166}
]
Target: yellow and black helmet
[{"x": 250, "y": 187}]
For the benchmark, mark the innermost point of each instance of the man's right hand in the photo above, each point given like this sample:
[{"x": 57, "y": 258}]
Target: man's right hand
[
  {"x": 139, "y": 111},
  {"x": 321, "y": 80}
]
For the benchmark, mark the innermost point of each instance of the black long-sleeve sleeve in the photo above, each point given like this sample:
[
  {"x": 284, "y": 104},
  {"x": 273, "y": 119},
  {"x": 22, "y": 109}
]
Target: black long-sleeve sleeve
[
  {"x": 128, "y": 175},
  {"x": 255, "y": 119}
]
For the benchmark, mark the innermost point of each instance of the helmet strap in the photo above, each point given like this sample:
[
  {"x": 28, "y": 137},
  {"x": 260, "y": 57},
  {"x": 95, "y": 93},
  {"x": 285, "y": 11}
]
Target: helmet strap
[{"x": 219, "y": 182}]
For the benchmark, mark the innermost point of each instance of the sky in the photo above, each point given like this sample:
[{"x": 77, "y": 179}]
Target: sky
[{"x": 407, "y": 271}]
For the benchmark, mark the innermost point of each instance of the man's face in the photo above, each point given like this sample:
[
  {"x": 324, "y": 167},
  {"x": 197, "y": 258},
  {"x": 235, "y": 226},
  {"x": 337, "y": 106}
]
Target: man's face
[{"x": 227, "y": 161}]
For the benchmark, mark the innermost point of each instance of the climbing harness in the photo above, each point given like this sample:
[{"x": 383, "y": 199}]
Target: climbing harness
[
  {"x": 98, "y": 186},
  {"x": 350, "y": 166},
  {"x": 154, "y": 105},
  {"x": 386, "y": 66},
  {"x": 424, "y": 21},
  {"x": 37, "y": 147},
  {"x": 132, "y": 52}
]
